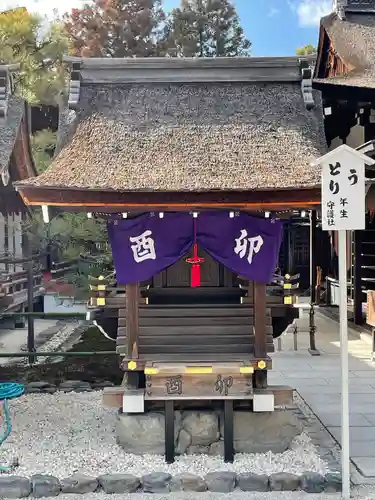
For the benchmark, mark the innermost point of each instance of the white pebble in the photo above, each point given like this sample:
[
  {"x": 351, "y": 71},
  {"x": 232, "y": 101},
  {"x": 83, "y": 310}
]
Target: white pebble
[{"x": 67, "y": 432}]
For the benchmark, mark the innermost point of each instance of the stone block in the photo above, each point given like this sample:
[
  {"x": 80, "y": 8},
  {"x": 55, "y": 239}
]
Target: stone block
[
  {"x": 253, "y": 482},
  {"x": 143, "y": 433},
  {"x": 49, "y": 390},
  {"x": 33, "y": 390},
  {"x": 75, "y": 385},
  {"x": 283, "y": 481},
  {"x": 333, "y": 482},
  {"x": 102, "y": 385},
  {"x": 119, "y": 483},
  {"x": 38, "y": 384},
  {"x": 79, "y": 483},
  {"x": 156, "y": 482},
  {"x": 187, "y": 482},
  {"x": 14, "y": 487},
  {"x": 203, "y": 427},
  {"x": 83, "y": 388},
  {"x": 183, "y": 442},
  {"x": 312, "y": 482},
  {"x": 263, "y": 432},
  {"x": 217, "y": 449},
  {"x": 45, "y": 486},
  {"x": 197, "y": 432},
  {"x": 221, "y": 482}
]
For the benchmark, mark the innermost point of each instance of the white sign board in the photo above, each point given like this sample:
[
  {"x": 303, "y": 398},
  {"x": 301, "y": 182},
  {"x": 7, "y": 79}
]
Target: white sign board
[{"x": 343, "y": 192}]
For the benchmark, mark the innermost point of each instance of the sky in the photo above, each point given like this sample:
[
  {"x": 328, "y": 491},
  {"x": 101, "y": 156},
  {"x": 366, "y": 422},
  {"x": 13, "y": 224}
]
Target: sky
[{"x": 275, "y": 27}]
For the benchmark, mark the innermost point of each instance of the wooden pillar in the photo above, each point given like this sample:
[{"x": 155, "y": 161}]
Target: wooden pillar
[
  {"x": 357, "y": 275},
  {"x": 132, "y": 323},
  {"x": 260, "y": 347},
  {"x": 18, "y": 239},
  {"x": 313, "y": 270},
  {"x": 313, "y": 282},
  {"x": 2, "y": 239},
  {"x": 228, "y": 431},
  {"x": 169, "y": 431},
  {"x": 260, "y": 341},
  {"x": 10, "y": 223},
  {"x": 290, "y": 241},
  {"x": 30, "y": 298}
]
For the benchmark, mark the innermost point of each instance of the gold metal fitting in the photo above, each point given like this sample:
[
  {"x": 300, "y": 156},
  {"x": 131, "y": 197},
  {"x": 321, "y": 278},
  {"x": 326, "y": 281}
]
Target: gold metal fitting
[{"x": 132, "y": 365}]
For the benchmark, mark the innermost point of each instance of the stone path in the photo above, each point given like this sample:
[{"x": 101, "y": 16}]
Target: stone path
[{"x": 317, "y": 379}]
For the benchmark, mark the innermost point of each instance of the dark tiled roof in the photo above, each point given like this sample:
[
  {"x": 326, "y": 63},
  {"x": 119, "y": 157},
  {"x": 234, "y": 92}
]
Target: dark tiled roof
[
  {"x": 189, "y": 137},
  {"x": 354, "y": 41}
]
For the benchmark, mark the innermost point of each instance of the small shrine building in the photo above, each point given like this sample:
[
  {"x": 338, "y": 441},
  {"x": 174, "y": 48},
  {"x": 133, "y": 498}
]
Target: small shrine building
[{"x": 194, "y": 162}]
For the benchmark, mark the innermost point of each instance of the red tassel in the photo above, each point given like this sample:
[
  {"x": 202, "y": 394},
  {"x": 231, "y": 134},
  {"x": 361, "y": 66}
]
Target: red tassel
[
  {"x": 196, "y": 267},
  {"x": 195, "y": 275}
]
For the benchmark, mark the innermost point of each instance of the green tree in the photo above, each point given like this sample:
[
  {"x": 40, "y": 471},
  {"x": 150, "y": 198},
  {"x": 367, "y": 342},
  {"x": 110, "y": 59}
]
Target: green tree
[
  {"x": 42, "y": 146},
  {"x": 206, "y": 28},
  {"x": 115, "y": 28},
  {"x": 68, "y": 236},
  {"x": 24, "y": 40},
  {"x": 306, "y": 50}
]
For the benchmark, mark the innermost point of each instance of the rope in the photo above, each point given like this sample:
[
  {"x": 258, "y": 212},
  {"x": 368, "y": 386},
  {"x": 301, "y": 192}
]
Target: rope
[{"x": 9, "y": 390}]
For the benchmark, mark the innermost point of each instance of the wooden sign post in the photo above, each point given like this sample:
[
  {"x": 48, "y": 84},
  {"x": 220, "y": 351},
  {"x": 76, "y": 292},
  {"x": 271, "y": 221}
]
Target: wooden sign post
[{"x": 344, "y": 209}]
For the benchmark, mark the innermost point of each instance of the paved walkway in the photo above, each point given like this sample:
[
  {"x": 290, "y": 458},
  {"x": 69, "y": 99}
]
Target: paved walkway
[{"x": 317, "y": 379}]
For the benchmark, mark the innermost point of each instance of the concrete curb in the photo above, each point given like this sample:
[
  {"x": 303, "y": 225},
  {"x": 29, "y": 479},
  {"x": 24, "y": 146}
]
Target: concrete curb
[{"x": 41, "y": 485}]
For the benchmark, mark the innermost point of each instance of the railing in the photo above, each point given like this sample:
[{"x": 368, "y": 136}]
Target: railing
[
  {"x": 67, "y": 266},
  {"x": 13, "y": 289}
]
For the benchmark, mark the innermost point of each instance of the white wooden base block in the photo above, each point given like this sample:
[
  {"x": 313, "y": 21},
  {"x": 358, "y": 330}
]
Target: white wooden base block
[
  {"x": 263, "y": 403},
  {"x": 133, "y": 402}
]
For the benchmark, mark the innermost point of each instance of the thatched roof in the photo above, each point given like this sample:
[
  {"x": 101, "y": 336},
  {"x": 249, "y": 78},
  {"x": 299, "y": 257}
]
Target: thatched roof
[
  {"x": 239, "y": 134},
  {"x": 353, "y": 39},
  {"x": 9, "y": 127}
]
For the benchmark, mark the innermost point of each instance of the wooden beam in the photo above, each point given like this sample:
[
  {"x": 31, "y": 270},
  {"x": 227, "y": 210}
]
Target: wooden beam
[
  {"x": 132, "y": 321},
  {"x": 114, "y": 201},
  {"x": 260, "y": 320}
]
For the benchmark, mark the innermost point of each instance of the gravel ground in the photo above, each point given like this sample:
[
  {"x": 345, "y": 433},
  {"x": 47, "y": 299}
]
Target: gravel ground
[{"x": 64, "y": 433}]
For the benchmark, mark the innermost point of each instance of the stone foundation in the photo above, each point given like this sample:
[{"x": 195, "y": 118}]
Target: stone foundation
[{"x": 198, "y": 432}]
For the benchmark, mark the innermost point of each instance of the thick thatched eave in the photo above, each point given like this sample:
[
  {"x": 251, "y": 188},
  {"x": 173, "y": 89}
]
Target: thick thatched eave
[
  {"x": 16, "y": 161},
  {"x": 255, "y": 128},
  {"x": 346, "y": 52}
]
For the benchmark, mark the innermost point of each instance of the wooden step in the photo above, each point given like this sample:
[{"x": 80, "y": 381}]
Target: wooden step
[
  {"x": 195, "y": 321},
  {"x": 186, "y": 331},
  {"x": 146, "y": 352},
  {"x": 194, "y": 310},
  {"x": 242, "y": 357},
  {"x": 197, "y": 340}
]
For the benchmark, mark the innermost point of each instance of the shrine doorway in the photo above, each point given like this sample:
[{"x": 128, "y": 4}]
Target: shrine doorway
[{"x": 173, "y": 285}]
